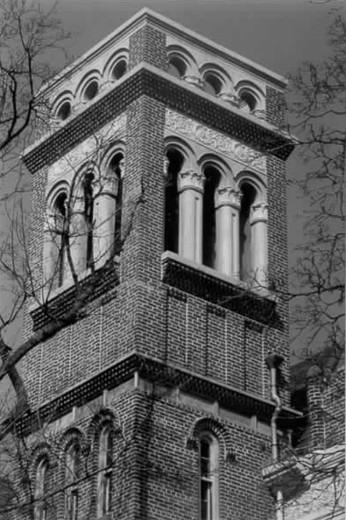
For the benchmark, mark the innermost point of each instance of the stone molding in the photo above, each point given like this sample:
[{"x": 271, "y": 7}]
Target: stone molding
[{"x": 220, "y": 143}]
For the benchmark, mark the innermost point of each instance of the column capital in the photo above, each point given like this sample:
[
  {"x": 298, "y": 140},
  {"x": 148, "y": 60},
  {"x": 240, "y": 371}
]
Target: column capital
[
  {"x": 228, "y": 197},
  {"x": 107, "y": 185},
  {"x": 191, "y": 180},
  {"x": 230, "y": 97},
  {"x": 196, "y": 81},
  {"x": 259, "y": 212}
]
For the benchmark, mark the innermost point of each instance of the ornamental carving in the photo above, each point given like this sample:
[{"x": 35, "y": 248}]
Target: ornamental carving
[
  {"x": 219, "y": 142},
  {"x": 228, "y": 197},
  {"x": 189, "y": 179}
]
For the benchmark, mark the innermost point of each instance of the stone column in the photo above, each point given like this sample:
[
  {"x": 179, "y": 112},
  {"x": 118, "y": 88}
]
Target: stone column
[
  {"x": 227, "y": 205},
  {"x": 78, "y": 237},
  {"x": 190, "y": 189},
  {"x": 105, "y": 217},
  {"x": 259, "y": 242}
]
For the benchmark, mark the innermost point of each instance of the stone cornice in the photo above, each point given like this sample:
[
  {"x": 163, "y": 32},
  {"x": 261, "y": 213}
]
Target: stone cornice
[
  {"x": 146, "y": 80},
  {"x": 153, "y": 370}
]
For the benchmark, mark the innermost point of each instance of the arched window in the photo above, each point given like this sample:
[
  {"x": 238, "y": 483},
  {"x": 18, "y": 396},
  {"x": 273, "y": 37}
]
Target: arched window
[
  {"x": 105, "y": 463},
  {"x": 41, "y": 488},
  {"x": 175, "y": 161},
  {"x": 116, "y": 169},
  {"x": 176, "y": 66},
  {"x": 72, "y": 467},
  {"x": 208, "y": 477},
  {"x": 89, "y": 215},
  {"x": 248, "y": 198},
  {"x": 212, "y": 179},
  {"x": 61, "y": 235},
  {"x": 212, "y": 84}
]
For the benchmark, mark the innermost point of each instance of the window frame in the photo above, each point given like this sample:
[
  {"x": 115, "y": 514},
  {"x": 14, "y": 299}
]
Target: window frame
[{"x": 41, "y": 484}]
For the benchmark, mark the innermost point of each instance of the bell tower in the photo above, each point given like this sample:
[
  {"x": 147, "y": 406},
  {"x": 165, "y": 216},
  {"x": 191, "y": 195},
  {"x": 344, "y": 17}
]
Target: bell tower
[{"x": 158, "y": 237}]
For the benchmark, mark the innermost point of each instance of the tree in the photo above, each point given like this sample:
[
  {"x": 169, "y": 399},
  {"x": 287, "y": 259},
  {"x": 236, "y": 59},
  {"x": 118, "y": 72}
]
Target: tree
[{"x": 318, "y": 113}]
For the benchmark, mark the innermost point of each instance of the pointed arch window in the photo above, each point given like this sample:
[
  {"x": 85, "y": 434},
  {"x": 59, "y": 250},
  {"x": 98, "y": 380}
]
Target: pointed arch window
[
  {"x": 41, "y": 489},
  {"x": 72, "y": 467},
  {"x": 105, "y": 465},
  {"x": 208, "y": 477}
]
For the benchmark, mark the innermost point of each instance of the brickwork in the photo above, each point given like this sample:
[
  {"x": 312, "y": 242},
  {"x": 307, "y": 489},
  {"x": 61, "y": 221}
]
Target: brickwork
[
  {"x": 148, "y": 45},
  {"x": 326, "y": 402},
  {"x": 275, "y": 106}
]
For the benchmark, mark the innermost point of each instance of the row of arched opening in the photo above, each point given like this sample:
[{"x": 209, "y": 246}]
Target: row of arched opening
[
  {"x": 60, "y": 491},
  {"x": 83, "y": 224},
  {"x": 215, "y": 221},
  {"x": 90, "y": 86},
  {"x": 215, "y": 80},
  {"x": 210, "y": 218}
]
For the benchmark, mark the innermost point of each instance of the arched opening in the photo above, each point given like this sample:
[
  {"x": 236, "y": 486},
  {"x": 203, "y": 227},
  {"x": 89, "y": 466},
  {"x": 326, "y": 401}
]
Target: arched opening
[
  {"x": 61, "y": 235},
  {"x": 119, "y": 69},
  {"x": 176, "y": 67},
  {"x": 212, "y": 180},
  {"x": 72, "y": 467},
  {"x": 41, "y": 489},
  {"x": 209, "y": 474},
  {"x": 248, "y": 99},
  {"x": 248, "y": 198},
  {"x": 115, "y": 169},
  {"x": 213, "y": 84},
  {"x": 89, "y": 215},
  {"x": 64, "y": 111},
  {"x": 91, "y": 90},
  {"x": 175, "y": 163},
  {"x": 105, "y": 465}
]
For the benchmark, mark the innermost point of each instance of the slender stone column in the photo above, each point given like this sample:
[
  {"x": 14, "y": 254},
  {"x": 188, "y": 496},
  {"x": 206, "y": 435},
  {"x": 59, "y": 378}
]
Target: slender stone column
[
  {"x": 259, "y": 242},
  {"x": 190, "y": 189},
  {"x": 227, "y": 205},
  {"x": 105, "y": 217},
  {"x": 78, "y": 237}
]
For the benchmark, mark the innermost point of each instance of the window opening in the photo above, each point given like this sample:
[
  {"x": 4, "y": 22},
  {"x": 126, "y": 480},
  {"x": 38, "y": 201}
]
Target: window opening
[
  {"x": 249, "y": 99},
  {"x": 89, "y": 214},
  {"x": 72, "y": 475},
  {"x": 212, "y": 84},
  {"x": 176, "y": 67},
  {"x": 41, "y": 490},
  {"x": 60, "y": 223},
  {"x": 119, "y": 69},
  {"x": 115, "y": 168},
  {"x": 208, "y": 470},
  {"x": 91, "y": 91},
  {"x": 249, "y": 195},
  {"x": 105, "y": 477},
  {"x": 64, "y": 111},
  {"x": 175, "y": 160},
  {"x": 209, "y": 217}
]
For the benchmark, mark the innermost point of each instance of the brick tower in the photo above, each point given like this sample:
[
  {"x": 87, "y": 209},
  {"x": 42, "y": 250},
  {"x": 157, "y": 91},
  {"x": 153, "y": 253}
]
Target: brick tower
[{"x": 158, "y": 240}]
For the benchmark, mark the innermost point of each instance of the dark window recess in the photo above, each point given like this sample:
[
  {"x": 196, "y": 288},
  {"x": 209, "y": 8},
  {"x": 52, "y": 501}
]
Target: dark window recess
[
  {"x": 248, "y": 198},
  {"x": 176, "y": 160},
  {"x": 212, "y": 179}
]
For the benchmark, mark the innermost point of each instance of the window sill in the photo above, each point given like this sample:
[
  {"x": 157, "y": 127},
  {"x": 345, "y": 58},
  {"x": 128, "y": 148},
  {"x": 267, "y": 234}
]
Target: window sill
[
  {"x": 54, "y": 305},
  {"x": 206, "y": 283}
]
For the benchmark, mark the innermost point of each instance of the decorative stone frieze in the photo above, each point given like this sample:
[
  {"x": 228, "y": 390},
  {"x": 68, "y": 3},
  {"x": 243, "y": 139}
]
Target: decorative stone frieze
[{"x": 220, "y": 143}]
